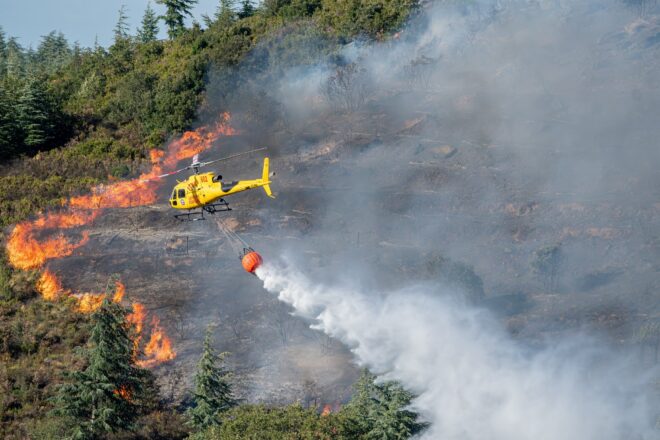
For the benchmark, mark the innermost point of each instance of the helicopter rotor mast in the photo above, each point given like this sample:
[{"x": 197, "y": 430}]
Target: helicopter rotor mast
[{"x": 195, "y": 164}]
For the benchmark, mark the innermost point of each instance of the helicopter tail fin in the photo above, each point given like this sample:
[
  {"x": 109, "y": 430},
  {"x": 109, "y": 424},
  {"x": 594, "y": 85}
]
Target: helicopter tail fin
[{"x": 265, "y": 179}]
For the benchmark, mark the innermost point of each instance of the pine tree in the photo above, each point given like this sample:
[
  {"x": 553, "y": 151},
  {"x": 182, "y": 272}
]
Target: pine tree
[
  {"x": 107, "y": 395},
  {"x": 3, "y": 53},
  {"x": 377, "y": 411},
  {"x": 53, "y": 52},
  {"x": 175, "y": 12},
  {"x": 149, "y": 30},
  {"x": 213, "y": 394},
  {"x": 34, "y": 114},
  {"x": 15, "y": 63},
  {"x": 9, "y": 128},
  {"x": 247, "y": 9},
  {"x": 3, "y": 43},
  {"x": 121, "y": 28},
  {"x": 225, "y": 14}
]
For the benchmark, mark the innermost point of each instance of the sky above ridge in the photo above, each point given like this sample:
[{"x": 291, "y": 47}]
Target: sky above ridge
[{"x": 79, "y": 20}]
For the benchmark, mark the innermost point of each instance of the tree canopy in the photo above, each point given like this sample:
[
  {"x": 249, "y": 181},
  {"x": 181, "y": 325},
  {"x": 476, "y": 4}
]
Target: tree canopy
[
  {"x": 175, "y": 14},
  {"x": 148, "y": 32}
]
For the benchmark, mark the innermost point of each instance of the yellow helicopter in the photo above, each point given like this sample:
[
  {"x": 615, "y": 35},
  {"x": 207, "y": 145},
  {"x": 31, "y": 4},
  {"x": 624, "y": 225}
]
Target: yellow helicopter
[{"x": 206, "y": 191}]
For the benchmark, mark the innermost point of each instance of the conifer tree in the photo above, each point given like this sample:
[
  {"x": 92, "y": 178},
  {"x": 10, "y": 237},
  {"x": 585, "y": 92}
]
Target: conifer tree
[
  {"x": 53, "y": 52},
  {"x": 3, "y": 43},
  {"x": 34, "y": 114},
  {"x": 107, "y": 395},
  {"x": 175, "y": 12},
  {"x": 121, "y": 28},
  {"x": 377, "y": 411},
  {"x": 3, "y": 53},
  {"x": 247, "y": 9},
  {"x": 9, "y": 129},
  {"x": 213, "y": 394},
  {"x": 15, "y": 64},
  {"x": 149, "y": 30},
  {"x": 225, "y": 14}
]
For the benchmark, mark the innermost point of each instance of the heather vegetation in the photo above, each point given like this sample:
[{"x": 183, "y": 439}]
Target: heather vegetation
[{"x": 72, "y": 117}]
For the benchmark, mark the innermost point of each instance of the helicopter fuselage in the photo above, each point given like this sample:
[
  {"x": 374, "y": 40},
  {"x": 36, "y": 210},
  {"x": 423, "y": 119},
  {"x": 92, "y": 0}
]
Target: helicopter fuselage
[{"x": 203, "y": 189}]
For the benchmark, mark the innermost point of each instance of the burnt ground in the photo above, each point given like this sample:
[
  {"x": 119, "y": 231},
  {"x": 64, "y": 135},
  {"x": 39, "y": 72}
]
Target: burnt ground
[{"x": 393, "y": 191}]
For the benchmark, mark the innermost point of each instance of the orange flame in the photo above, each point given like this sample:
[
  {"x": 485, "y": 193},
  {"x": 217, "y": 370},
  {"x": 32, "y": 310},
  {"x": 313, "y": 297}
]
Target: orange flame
[
  {"x": 156, "y": 155},
  {"x": 49, "y": 286},
  {"x": 120, "y": 291},
  {"x": 91, "y": 302},
  {"x": 123, "y": 194},
  {"x": 196, "y": 141},
  {"x": 159, "y": 348},
  {"x": 136, "y": 317},
  {"x": 65, "y": 220},
  {"x": 124, "y": 392},
  {"x": 26, "y": 252},
  {"x": 330, "y": 408}
]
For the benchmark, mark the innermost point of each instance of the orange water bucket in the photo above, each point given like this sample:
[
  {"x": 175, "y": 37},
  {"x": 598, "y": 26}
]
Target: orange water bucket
[{"x": 251, "y": 261}]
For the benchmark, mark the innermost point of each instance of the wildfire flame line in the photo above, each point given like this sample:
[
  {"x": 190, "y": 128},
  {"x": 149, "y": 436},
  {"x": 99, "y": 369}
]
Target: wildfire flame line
[
  {"x": 159, "y": 347},
  {"x": 50, "y": 288}
]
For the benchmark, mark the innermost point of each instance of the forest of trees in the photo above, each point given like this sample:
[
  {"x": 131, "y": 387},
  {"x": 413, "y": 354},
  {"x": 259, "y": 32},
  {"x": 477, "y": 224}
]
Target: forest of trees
[{"x": 72, "y": 117}]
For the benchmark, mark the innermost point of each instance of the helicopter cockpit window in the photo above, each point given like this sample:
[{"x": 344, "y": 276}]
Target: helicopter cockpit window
[
  {"x": 182, "y": 193},
  {"x": 173, "y": 195}
]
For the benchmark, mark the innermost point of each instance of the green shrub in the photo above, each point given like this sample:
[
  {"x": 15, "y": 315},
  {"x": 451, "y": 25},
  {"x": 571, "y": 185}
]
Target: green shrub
[
  {"x": 373, "y": 18},
  {"x": 259, "y": 422}
]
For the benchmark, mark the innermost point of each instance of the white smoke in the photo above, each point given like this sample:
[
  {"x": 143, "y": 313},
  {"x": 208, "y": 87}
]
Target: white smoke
[{"x": 472, "y": 379}]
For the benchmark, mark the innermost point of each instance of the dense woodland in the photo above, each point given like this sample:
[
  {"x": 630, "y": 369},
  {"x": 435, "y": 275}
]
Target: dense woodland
[{"x": 72, "y": 117}]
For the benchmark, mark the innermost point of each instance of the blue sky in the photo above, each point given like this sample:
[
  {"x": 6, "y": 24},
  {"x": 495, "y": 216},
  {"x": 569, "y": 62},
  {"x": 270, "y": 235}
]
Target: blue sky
[{"x": 79, "y": 20}]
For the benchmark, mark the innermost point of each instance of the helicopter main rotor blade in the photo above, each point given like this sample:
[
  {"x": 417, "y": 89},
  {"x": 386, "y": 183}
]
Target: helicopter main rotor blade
[
  {"x": 202, "y": 164},
  {"x": 171, "y": 173}
]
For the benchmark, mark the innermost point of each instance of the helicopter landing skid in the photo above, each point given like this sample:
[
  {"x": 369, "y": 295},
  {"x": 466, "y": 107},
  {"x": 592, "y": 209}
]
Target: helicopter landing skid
[{"x": 194, "y": 216}]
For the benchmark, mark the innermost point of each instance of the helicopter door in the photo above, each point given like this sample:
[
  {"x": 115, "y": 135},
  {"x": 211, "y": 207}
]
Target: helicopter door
[{"x": 182, "y": 197}]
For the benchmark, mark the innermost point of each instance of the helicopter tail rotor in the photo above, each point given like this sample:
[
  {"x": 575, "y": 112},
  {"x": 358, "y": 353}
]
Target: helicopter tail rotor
[{"x": 265, "y": 178}]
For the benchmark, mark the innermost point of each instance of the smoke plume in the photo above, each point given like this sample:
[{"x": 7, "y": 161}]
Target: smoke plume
[{"x": 473, "y": 381}]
